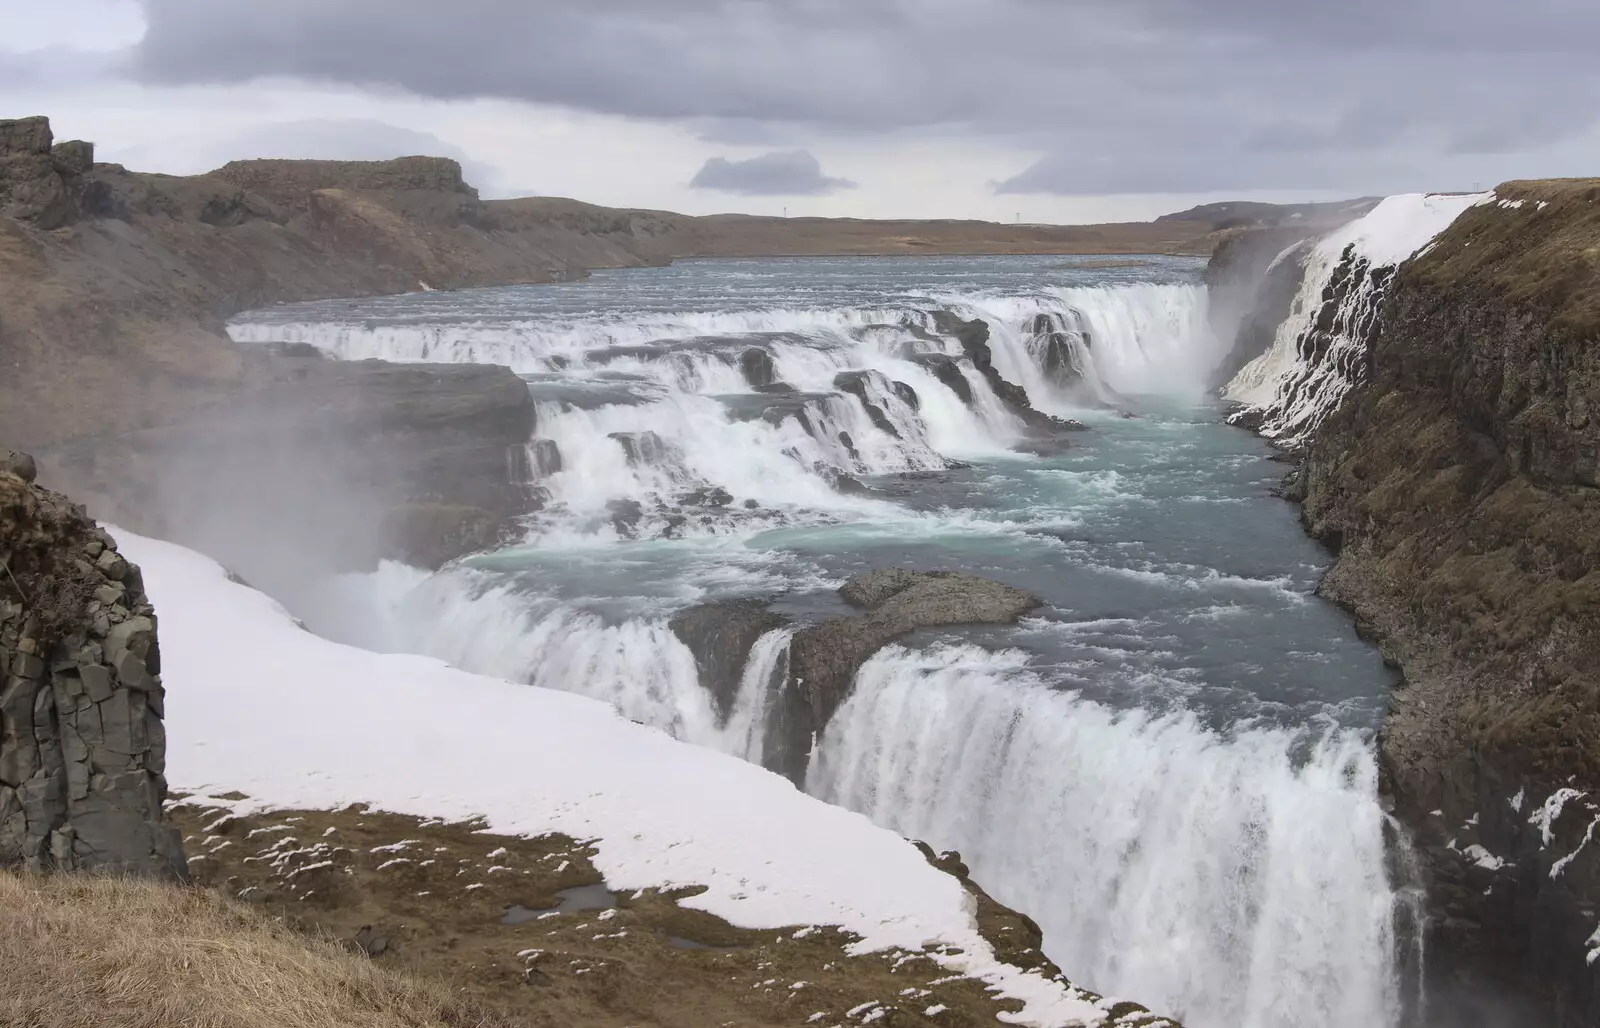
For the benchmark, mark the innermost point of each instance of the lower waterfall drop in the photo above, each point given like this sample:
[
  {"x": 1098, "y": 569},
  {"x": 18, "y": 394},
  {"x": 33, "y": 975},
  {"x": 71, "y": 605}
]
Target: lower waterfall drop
[{"x": 1217, "y": 878}]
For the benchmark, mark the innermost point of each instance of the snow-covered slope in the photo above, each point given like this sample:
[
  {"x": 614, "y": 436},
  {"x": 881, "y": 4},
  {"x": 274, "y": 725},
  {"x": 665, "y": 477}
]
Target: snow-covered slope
[
  {"x": 258, "y": 705},
  {"x": 1319, "y": 349}
]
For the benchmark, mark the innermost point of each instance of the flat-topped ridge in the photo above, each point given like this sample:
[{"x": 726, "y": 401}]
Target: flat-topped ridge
[{"x": 276, "y": 177}]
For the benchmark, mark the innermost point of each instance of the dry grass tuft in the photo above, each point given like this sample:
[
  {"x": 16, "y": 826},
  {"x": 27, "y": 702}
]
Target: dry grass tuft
[{"x": 96, "y": 952}]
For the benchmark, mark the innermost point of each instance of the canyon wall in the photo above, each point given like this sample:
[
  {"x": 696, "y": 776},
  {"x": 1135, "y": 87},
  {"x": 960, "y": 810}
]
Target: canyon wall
[{"x": 1457, "y": 478}]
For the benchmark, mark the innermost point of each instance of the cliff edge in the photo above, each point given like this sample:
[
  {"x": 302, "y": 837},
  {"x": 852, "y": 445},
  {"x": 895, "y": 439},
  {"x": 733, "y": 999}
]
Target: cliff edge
[
  {"x": 1448, "y": 408},
  {"x": 82, "y": 747}
]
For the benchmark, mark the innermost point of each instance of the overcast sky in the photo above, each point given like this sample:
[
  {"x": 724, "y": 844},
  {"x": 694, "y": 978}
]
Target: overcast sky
[{"x": 1051, "y": 110}]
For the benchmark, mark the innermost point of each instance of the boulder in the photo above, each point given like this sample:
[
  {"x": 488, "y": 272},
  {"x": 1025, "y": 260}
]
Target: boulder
[
  {"x": 758, "y": 368},
  {"x": 544, "y": 457},
  {"x": 895, "y": 602}
]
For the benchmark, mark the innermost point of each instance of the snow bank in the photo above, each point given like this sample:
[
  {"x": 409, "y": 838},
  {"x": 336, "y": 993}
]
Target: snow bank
[
  {"x": 1294, "y": 392},
  {"x": 259, "y": 705}
]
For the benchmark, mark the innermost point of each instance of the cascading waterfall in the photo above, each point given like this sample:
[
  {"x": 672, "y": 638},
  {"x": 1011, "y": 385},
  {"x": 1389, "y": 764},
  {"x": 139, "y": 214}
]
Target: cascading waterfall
[
  {"x": 1233, "y": 878},
  {"x": 1214, "y": 878}
]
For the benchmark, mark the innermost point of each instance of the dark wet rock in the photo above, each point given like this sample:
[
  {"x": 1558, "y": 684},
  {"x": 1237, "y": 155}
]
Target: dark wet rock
[
  {"x": 974, "y": 339},
  {"x": 841, "y": 481},
  {"x": 626, "y": 516},
  {"x": 948, "y": 371},
  {"x": 82, "y": 743},
  {"x": 758, "y": 368},
  {"x": 908, "y": 395},
  {"x": 710, "y": 496},
  {"x": 1057, "y": 344},
  {"x": 721, "y": 635},
  {"x": 824, "y": 658},
  {"x": 849, "y": 445},
  {"x": 644, "y": 449},
  {"x": 545, "y": 457},
  {"x": 860, "y": 385}
]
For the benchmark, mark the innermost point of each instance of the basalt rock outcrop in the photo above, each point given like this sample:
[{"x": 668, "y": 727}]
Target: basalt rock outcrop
[
  {"x": 1459, "y": 480},
  {"x": 894, "y": 602},
  {"x": 82, "y": 746},
  {"x": 973, "y": 336},
  {"x": 721, "y": 636},
  {"x": 41, "y": 181}
]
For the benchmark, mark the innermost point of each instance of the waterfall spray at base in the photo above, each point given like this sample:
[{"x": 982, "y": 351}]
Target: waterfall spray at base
[{"x": 1217, "y": 879}]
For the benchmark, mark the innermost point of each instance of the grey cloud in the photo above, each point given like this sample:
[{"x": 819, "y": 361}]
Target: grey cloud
[
  {"x": 782, "y": 173},
  {"x": 1261, "y": 90}
]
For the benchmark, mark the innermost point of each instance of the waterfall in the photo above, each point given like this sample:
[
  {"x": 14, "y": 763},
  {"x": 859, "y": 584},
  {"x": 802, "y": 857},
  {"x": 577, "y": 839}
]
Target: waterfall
[
  {"x": 1319, "y": 352},
  {"x": 1232, "y": 881}
]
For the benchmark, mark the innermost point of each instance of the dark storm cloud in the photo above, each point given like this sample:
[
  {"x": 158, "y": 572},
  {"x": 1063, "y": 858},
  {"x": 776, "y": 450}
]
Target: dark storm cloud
[
  {"x": 1179, "y": 92},
  {"x": 783, "y": 173}
]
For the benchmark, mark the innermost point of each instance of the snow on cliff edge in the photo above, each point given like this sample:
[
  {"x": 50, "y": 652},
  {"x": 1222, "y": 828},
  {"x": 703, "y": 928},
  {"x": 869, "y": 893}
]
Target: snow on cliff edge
[
  {"x": 259, "y": 705},
  {"x": 1290, "y": 388}
]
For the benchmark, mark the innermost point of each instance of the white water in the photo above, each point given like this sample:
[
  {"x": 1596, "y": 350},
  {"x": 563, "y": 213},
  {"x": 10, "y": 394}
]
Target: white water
[
  {"x": 675, "y": 371},
  {"x": 1209, "y": 877}
]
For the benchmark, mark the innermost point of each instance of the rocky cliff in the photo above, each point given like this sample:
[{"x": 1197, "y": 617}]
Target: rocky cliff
[
  {"x": 1457, "y": 479},
  {"x": 82, "y": 748}
]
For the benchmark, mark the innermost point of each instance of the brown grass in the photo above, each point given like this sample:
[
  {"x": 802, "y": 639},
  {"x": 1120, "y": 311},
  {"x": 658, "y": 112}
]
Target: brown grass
[{"x": 93, "y": 952}]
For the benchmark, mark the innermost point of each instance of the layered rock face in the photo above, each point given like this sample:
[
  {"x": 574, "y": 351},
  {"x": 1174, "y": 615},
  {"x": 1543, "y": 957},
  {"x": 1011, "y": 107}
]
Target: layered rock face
[
  {"x": 82, "y": 747},
  {"x": 1458, "y": 480}
]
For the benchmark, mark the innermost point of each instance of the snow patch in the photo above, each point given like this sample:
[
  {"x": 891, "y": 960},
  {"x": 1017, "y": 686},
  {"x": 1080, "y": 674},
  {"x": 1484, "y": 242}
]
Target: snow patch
[
  {"x": 661, "y": 813},
  {"x": 1561, "y": 865},
  {"x": 1483, "y": 858},
  {"x": 1545, "y": 817}
]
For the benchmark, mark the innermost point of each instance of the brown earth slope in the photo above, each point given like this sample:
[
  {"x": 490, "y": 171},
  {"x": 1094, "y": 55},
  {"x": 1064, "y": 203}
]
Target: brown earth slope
[{"x": 1461, "y": 482}]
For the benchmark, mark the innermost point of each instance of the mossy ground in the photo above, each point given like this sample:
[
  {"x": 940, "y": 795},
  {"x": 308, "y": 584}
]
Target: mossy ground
[{"x": 431, "y": 897}]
